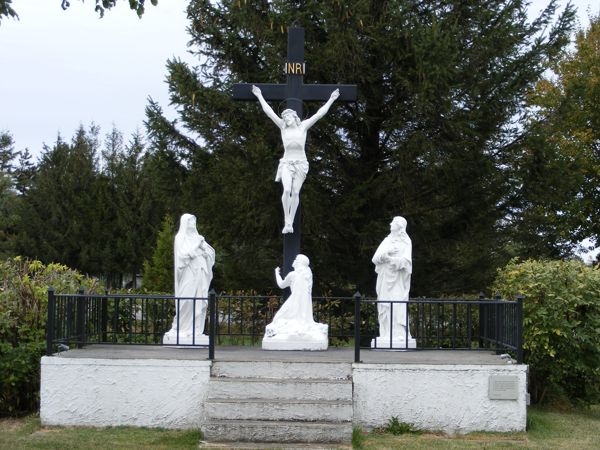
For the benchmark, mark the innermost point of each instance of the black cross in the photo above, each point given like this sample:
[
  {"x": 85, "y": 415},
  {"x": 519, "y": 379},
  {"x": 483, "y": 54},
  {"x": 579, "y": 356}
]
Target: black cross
[{"x": 294, "y": 92}]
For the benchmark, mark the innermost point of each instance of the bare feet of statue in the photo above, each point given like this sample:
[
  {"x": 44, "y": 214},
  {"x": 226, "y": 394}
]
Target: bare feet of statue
[{"x": 287, "y": 229}]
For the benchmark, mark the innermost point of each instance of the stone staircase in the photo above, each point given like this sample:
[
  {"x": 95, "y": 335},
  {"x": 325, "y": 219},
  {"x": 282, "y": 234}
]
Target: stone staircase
[{"x": 274, "y": 401}]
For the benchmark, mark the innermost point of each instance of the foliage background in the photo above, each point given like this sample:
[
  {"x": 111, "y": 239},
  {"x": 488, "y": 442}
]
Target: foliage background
[
  {"x": 23, "y": 314},
  {"x": 561, "y": 326}
]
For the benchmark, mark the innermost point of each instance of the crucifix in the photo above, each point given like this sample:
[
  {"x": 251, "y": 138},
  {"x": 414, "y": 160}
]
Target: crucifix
[{"x": 293, "y": 166}]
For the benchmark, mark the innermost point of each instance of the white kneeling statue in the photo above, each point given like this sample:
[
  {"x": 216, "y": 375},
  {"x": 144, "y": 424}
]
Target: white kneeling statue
[
  {"x": 393, "y": 265},
  {"x": 293, "y": 327},
  {"x": 194, "y": 260}
]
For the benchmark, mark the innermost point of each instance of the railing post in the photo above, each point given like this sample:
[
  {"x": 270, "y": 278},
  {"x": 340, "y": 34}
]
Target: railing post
[
  {"x": 50, "y": 322},
  {"x": 104, "y": 317},
  {"x": 481, "y": 319},
  {"x": 519, "y": 331},
  {"x": 497, "y": 333},
  {"x": 357, "y": 299},
  {"x": 212, "y": 310},
  {"x": 80, "y": 318}
]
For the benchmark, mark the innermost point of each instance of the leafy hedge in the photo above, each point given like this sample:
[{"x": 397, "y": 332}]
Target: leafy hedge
[
  {"x": 23, "y": 313},
  {"x": 561, "y": 326}
]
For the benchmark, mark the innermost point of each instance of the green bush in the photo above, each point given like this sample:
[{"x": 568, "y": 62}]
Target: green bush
[
  {"x": 561, "y": 326},
  {"x": 23, "y": 313}
]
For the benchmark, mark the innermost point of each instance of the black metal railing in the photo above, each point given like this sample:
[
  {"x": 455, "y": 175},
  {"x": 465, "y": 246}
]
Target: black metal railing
[
  {"x": 80, "y": 319},
  {"x": 442, "y": 324},
  {"x": 242, "y": 319}
]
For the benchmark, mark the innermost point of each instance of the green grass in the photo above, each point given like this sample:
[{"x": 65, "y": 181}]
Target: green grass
[
  {"x": 27, "y": 433},
  {"x": 571, "y": 430}
]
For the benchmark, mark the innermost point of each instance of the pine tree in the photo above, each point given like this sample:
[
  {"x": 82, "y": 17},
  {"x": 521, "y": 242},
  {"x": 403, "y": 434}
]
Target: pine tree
[
  {"x": 61, "y": 220},
  {"x": 158, "y": 270},
  {"x": 9, "y": 201},
  {"x": 440, "y": 85}
]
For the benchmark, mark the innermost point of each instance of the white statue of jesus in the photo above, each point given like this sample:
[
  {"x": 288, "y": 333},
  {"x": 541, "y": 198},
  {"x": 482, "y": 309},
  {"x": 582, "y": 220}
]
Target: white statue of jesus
[
  {"x": 293, "y": 167},
  {"x": 393, "y": 265}
]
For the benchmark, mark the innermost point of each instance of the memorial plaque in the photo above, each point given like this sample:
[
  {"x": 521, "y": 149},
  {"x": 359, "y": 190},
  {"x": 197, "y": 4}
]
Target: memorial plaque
[{"x": 503, "y": 387}]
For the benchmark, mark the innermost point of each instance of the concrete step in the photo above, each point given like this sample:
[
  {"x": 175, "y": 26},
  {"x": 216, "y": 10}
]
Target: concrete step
[
  {"x": 276, "y": 410},
  {"x": 282, "y": 370},
  {"x": 288, "y": 389},
  {"x": 276, "y": 431}
]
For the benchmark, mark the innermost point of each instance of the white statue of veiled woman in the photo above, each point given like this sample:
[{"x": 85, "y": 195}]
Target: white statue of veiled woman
[
  {"x": 293, "y": 326},
  {"x": 194, "y": 260},
  {"x": 393, "y": 265}
]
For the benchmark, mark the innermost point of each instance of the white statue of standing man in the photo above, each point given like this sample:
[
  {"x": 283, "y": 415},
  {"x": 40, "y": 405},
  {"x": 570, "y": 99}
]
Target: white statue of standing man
[
  {"x": 293, "y": 326},
  {"x": 293, "y": 167},
  {"x": 194, "y": 260},
  {"x": 393, "y": 265}
]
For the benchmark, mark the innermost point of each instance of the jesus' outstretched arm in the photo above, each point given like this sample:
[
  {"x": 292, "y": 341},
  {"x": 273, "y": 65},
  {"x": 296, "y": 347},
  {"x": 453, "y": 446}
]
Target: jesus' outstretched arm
[
  {"x": 321, "y": 111},
  {"x": 266, "y": 108}
]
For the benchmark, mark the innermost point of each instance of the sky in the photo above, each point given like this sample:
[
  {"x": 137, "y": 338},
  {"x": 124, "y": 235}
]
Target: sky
[{"x": 62, "y": 69}]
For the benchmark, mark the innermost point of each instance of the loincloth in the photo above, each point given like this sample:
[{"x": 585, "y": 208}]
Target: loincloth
[{"x": 298, "y": 168}]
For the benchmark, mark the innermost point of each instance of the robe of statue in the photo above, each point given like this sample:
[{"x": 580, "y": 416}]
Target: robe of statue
[
  {"x": 295, "y": 317},
  {"x": 393, "y": 265},
  {"x": 296, "y": 314},
  {"x": 194, "y": 259}
]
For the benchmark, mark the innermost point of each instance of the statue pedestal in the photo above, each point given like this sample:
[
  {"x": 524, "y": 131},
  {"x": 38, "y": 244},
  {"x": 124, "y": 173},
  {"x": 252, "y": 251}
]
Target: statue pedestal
[
  {"x": 170, "y": 338},
  {"x": 295, "y": 342},
  {"x": 296, "y": 335},
  {"x": 398, "y": 345}
]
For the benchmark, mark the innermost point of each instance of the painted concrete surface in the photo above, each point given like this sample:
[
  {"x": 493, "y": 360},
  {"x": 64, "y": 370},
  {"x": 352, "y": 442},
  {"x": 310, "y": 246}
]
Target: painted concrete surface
[
  {"x": 287, "y": 389},
  {"x": 251, "y": 401},
  {"x": 249, "y": 353},
  {"x": 282, "y": 369},
  {"x": 449, "y": 398},
  {"x": 165, "y": 387},
  {"x": 110, "y": 392}
]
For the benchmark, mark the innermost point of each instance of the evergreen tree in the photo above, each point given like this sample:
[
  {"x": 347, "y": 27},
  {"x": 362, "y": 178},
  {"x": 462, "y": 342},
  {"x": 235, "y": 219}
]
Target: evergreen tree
[
  {"x": 61, "y": 220},
  {"x": 430, "y": 138},
  {"x": 6, "y": 10},
  {"x": 129, "y": 232},
  {"x": 9, "y": 201},
  {"x": 24, "y": 171},
  {"x": 158, "y": 269}
]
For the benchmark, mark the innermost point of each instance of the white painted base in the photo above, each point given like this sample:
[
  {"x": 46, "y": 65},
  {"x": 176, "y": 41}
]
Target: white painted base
[
  {"x": 454, "y": 398},
  {"x": 398, "y": 345},
  {"x": 112, "y": 392},
  {"x": 295, "y": 342},
  {"x": 201, "y": 340}
]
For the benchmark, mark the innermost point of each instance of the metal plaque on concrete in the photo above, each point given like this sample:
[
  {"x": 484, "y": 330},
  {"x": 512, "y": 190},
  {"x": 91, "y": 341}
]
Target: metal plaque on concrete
[{"x": 503, "y": 387}]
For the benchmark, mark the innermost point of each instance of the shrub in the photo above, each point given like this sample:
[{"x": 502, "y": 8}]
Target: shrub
[
  {"x": 23, "y": 313},
  {"x": 561, "y": 326}
]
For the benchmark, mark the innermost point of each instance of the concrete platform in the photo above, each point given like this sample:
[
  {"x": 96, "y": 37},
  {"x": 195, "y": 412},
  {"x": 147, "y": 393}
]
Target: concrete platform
[
  {"x": 248, "y": 353},
  {"x": 155, "y": 386}
]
